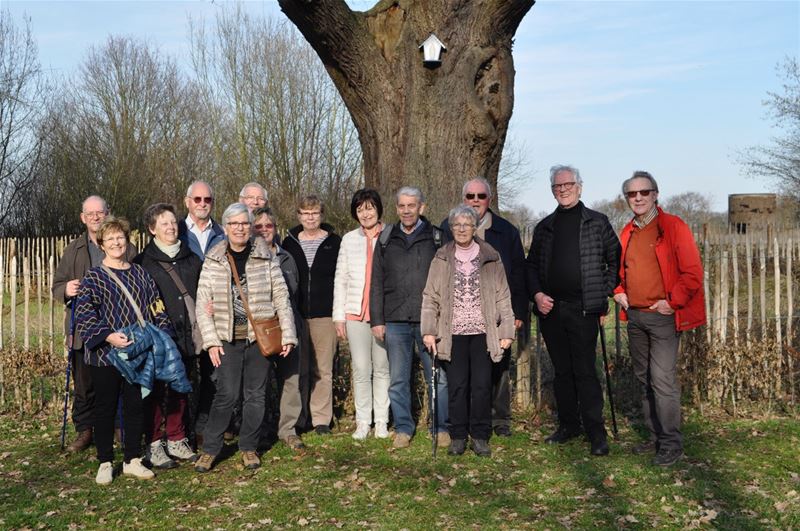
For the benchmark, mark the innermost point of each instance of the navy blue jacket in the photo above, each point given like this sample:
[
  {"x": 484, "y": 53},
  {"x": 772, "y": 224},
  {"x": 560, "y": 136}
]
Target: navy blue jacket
[{"x": 188, "y": 238}]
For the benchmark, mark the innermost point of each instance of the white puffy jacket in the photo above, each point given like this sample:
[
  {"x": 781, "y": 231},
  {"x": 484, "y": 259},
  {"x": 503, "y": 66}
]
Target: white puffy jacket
[{"x": 351, "y": 273}]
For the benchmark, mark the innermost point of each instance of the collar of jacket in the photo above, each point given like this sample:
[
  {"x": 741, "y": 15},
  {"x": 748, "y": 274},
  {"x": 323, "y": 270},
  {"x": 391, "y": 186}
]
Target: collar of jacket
[
  {"x": 551, "y": 218},
  {"x": 183, "y": 228},
  {"x": 486, "y": 252},
  {"x": 425, "y": 230},
  {"x": 259, "y": 250},
  {"x": 661, "y": 218}
]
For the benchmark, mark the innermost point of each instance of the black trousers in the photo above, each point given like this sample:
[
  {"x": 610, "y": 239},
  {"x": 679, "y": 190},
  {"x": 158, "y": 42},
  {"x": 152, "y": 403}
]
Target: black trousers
[
  {"x": 83, "y": 403},
  {"x": 108, "y": 383},
  {"x": 469, "y": 388},
  {"x": 571, "y": 339}
]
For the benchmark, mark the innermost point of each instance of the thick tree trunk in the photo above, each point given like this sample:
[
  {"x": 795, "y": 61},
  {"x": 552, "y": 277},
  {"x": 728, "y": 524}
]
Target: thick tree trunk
[{"x": 431, "y": 127}]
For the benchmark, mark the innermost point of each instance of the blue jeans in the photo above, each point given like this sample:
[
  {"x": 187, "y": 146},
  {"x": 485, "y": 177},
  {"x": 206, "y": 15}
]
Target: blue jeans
[{"x": 400, "y": 339}]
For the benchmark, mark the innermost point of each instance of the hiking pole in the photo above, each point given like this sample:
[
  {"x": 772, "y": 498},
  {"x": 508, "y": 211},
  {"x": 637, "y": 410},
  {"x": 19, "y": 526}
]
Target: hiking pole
[
  {"x": 434, "y": 397},
  {"x": 608, "y": 376},
  {"x": 66, "y": 401},
  {"x": 71, "y": 341}
]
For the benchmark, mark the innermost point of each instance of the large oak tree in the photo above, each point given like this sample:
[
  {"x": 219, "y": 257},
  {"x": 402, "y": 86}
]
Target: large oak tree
[{"x": 432, "y": 127}]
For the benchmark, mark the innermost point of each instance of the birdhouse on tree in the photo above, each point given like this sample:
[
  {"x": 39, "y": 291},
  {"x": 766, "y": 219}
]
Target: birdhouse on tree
[{"x": 432, "y": 49}]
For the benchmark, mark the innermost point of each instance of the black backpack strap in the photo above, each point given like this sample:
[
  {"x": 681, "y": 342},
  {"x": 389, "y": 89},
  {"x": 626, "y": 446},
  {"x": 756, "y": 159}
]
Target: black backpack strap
[{"x": 386, "y": 233}]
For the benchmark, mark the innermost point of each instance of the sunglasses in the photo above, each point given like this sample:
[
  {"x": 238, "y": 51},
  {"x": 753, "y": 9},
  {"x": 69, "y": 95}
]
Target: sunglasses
[
  {"x": 632, "y": 194},
  {"x": 473, "y": 196},
  {"x": 206, "y": 200},
  {"x": 264, "y": 226}
]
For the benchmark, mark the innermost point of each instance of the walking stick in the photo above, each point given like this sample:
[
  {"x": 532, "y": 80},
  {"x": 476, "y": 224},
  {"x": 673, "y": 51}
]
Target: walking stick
[
  {"x": 434, "y": 393},
  {"x": 71, "y": 340},
  {"x": 608, "y": 376}
]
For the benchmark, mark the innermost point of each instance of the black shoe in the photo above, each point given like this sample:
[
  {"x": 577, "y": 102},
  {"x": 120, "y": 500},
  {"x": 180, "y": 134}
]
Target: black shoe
[
  {"x": 481, "y": 447},
  {"x": 667, "y": 457},
  {"x": 600, "y": 446},
  {"x": 562, "y": 435},
  {"x": 647, "y": 447},
  {"x": 457, "y": 446},
  {"x": 322, "y": 429},
  {"x": 502, "y": 431}
]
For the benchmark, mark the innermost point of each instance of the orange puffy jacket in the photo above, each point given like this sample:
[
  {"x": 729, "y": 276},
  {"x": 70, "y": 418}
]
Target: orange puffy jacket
[{"x": 681, "y": 270}]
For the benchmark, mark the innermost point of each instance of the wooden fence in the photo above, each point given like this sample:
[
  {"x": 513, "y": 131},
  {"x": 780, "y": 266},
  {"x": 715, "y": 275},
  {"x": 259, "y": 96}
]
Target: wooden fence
[{"x": 748, "y": 350}]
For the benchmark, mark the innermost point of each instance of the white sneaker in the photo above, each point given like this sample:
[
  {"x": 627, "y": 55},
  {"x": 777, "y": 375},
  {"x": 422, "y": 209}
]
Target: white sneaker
[
  {"x": 381, "y": 430},
  {"x": 181, "y": 450},
  {"x": 136, "y": 469},
  {"x": 157, "y": 457},
  {"x": 105, "y": 474},
  {"x": 362, "y": 431}
]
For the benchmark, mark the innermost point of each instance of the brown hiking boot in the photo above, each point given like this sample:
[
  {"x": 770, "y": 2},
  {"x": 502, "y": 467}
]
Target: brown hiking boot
[
  {"x": 250, "y": 460},
  {"x": 204, "y": 462},
  {"x": 295, "y": 443},
  {"x": 443, "y": 439},
  {"x": 401, "y": 440},
  {"x": 83, "y": 439}
]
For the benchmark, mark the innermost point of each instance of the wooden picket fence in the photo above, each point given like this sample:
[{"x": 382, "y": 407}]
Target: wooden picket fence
[{"x": 748, "y": 350}]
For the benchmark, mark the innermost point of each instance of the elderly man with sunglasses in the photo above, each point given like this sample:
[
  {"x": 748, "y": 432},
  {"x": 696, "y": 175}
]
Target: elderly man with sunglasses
[
  {"x": 197, "y": 230},
  {"x": 505, "y": 239},
  {"x": 661, "y": 294},
  {"x": 572, "y": 271}
]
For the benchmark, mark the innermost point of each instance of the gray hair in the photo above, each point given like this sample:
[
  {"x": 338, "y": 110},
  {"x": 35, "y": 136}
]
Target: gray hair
[
  {"x": 481, "y": 180},
  {"x": 191, "y": 187},
  {"x": 254, "y": 185},
  {"x": 98, "y": 198},
  {"x": 558, "y": 168},
  {"x": 411, "y": 191},
  {"x": 639, "y": 174},
  {"x": 462, "y": 211},
  {"x": 235, "y": 209}
]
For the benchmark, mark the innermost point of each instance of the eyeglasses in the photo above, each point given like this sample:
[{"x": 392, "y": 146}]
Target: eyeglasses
[
  {"x": 254, "y": 198},
  {"x": 563, "y": 186},
  {"x": 206, "y": 200},
  {"x": 239, "y": 224},
  {"x": 96, "y": 214},
  {"x": 473, "y": 196},
  {"x": 463, "y": 226},
  {"x": 632, "y": 194},
  {"x": 264, "y": 226},
  {"x": 310, "y": 214}
]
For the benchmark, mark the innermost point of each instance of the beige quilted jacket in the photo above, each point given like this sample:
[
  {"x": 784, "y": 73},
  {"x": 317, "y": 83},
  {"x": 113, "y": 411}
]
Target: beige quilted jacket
[{"x": 265, "y": 298}]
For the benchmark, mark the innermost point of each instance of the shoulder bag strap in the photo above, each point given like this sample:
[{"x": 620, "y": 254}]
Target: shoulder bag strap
[
  {"x": 239, "y": 288},
  {"x": 188, "y": 299},
  {"x": 127, "y": 293}
]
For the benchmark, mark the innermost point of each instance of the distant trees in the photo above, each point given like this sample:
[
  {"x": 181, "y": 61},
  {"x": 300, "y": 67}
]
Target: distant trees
[
  {"x": 780, "y": 161},
  {"x": 22, "y": 96},
  {"x": 132, "y": 126},
  {"x": 125, "y": 127},
  {"x": 278, "y": 119}
]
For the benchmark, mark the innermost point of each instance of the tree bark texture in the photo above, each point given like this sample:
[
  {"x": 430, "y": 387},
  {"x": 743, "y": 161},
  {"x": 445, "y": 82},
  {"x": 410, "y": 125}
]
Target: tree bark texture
[{"x": 430, "y": 127}]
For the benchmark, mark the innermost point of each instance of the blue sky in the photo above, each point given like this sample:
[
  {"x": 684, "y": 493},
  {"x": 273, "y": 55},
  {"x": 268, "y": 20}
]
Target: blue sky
[{"x": 675, "y": 88}]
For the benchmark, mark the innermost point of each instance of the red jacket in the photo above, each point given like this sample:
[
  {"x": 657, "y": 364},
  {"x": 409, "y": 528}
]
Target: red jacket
[{"x": 681, "y": 270}]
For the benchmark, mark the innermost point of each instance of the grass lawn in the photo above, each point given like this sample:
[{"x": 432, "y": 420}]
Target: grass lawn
[{"x": 742, "y": 474}]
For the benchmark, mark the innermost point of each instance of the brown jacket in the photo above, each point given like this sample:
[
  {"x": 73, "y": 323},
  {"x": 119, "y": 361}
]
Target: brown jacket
[
  {"x": 265, "y": 299},
  {"x": 437, "y": 300},
  {"x": 74, "y": 264}
]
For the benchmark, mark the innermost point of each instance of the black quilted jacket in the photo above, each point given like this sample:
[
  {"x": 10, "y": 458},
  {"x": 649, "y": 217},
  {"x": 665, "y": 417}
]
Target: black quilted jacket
[{"x": 600, "y": 253}]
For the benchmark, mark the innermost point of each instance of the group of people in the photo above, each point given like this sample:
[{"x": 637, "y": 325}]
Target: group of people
[{"x": 165, "y": 344}]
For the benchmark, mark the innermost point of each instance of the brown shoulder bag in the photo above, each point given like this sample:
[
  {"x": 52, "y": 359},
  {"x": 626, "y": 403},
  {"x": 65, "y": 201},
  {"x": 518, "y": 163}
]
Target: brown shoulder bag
[{"x": 267, "y": 331}]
